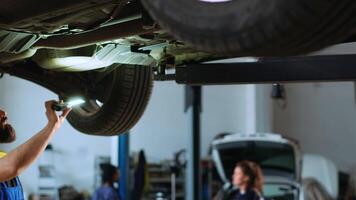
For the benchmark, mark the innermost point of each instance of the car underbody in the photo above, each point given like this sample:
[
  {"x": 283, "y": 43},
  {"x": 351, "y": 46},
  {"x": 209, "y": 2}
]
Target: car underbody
[
  {"x": 72, "y": 47},
  {"x": 105, "y": 31},
  {"x": 106, "y": 51}
]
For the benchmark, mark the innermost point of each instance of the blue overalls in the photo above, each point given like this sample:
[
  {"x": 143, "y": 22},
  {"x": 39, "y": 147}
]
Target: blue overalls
[{"x": 11, "y": 192}]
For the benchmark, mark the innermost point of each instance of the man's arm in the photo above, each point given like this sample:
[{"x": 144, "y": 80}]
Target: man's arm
[{"x": 20, "y": 158}]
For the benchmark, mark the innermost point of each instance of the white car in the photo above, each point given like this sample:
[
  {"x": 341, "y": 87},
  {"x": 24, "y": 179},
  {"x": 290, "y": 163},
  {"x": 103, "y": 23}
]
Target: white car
[{"x": 280, "y": 159}]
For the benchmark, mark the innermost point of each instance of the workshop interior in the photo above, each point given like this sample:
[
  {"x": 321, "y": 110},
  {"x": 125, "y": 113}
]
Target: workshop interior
[{"x": 172, "y": 99}]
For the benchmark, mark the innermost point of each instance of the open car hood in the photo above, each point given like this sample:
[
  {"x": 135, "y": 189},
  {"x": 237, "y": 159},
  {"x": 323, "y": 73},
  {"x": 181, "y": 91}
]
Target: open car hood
[{"x": 277, "y": 156}]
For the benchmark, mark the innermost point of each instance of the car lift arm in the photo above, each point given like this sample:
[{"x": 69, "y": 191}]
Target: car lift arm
[{"x": 270, "y": 70}]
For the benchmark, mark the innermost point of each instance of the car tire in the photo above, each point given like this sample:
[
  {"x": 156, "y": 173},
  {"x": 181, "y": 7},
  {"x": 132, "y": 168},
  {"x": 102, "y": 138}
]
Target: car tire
[
  {"x": 128, "y": 90},
  {"x": 256, "y": 27}
]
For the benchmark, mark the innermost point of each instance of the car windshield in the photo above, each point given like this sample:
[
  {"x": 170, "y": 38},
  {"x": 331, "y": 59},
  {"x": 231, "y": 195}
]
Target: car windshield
[
  {"x": 280, "y": 192},
  {"x": 274, "y": 158}
]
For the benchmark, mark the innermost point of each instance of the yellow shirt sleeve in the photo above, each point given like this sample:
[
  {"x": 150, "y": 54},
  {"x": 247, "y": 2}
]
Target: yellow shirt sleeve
[{"x": 2, "y": 154}]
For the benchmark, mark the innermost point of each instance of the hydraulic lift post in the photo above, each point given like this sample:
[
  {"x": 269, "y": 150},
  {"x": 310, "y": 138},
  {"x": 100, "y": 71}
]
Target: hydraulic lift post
[
  {"x": 197, "y": 189},
  {"x": 193, "y": 99},
  {"x": 124, "y": 161}
]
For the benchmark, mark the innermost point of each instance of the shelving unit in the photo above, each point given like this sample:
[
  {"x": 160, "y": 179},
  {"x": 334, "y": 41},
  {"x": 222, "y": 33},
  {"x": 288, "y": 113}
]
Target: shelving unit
[
  {"x": 47, "y": 187},
  {"x": 160, "y": 181}
]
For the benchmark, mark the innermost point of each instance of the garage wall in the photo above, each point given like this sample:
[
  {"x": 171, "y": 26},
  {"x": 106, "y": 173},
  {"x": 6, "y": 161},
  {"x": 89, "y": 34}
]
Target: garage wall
[
  {"x": 322, "y": 117},
  {"x": 165, "y": 128},
  {"x": 74, "y": 158},
  {"x": 224, "y": 110}
]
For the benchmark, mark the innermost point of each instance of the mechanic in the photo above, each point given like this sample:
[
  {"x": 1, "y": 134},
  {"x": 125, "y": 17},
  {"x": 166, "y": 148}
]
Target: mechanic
[
  {"x": 16, "y": 161},
  {"x": 247, "y": 183},
  {"x": 107, "y": 191}
]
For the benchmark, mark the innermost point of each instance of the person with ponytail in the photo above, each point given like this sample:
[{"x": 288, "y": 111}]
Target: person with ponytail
[{"x": 247, "y": 180}]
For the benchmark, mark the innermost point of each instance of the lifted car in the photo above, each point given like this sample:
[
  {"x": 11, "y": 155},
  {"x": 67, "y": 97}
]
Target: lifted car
[{"x": 105, "y": 51}]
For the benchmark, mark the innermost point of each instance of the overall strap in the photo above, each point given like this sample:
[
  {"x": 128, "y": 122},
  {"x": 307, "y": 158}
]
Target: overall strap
[
  {"x": 3, "y": 185},
  {"x": 15, "y": 182},
  {"x": 18, "y": 182}
]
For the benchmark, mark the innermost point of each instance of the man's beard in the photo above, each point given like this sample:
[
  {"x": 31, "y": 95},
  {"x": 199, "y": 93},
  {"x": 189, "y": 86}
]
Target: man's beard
[{"x": 7, "y": 134}]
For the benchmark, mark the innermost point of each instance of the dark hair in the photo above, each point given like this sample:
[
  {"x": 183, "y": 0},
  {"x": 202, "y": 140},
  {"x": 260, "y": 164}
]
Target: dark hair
[
  {"x": 7, "y": 134},
  {"x": 107, "y": 172},
  {"x": 254, "y": 173}
]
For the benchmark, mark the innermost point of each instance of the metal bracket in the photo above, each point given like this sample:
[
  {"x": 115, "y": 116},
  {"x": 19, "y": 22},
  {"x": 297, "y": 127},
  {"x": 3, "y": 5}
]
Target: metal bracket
[{"x": 160, "y": 74}]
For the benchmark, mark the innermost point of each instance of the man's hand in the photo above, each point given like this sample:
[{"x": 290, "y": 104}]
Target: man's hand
[{"x": 54, "y": 119}]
